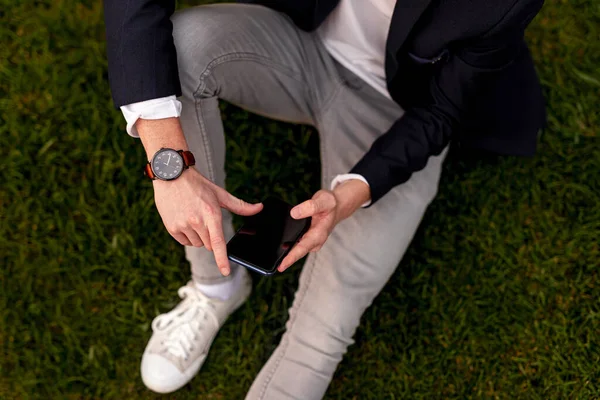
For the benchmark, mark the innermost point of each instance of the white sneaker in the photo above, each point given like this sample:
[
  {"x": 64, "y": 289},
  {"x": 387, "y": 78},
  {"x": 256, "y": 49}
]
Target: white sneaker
[{"x": 182, "y": 337}]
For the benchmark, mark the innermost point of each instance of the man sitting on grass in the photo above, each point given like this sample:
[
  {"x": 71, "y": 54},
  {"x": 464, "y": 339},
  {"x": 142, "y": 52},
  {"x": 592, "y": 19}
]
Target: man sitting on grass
[{"x": 387, "y": 84}]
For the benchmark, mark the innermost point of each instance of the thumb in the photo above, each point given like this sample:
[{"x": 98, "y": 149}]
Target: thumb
[{"x": 238, "y": 206}]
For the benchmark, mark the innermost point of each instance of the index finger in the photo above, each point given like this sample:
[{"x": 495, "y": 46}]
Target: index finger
[
  {"x": 302, "y": 248},
  {"x": 217, "y": 240},
  {"x": 297, "y": 252}
]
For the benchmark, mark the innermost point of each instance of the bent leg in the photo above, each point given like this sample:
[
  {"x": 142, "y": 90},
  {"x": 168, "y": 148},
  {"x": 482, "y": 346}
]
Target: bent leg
[
  {"x": 340, "y": 281},
  {"x": 253, "y": 57}
]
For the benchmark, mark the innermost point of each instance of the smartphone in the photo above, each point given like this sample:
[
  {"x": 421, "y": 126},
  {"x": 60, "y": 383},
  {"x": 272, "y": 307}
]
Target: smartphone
[{"x": 267, "y": 237}]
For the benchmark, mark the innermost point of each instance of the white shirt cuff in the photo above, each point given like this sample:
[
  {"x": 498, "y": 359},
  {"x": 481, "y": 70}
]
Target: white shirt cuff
[
  {"x": 163, "y": 107},
  {"x": 346, "y": 177}
]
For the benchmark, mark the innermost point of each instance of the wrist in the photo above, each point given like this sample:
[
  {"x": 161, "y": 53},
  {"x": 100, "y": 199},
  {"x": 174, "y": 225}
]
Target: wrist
[
  {"x": 160, "y": 133},
  {"x": 186, "y": 178},
  {"x": 350, "y": 196}
]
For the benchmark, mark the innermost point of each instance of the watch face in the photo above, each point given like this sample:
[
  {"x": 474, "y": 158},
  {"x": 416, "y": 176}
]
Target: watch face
[{"x": 167, "y": 164}]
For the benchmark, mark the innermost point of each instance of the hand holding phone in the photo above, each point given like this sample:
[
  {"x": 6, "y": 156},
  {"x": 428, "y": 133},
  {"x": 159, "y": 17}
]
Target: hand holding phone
[{"x": 267, "y": 237}]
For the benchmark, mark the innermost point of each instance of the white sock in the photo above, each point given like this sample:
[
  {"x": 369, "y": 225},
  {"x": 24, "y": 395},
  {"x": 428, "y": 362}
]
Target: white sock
[{"x": 224, "y": 290}]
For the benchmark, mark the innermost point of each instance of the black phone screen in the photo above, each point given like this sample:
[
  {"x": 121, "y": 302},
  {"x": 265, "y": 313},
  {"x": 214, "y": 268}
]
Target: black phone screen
[{"x": 265, "y": 238}]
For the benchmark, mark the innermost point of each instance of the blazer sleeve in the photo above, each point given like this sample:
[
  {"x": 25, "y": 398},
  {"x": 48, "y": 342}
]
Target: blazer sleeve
[
  {"x": 426, "y": 130},
  {"x": 142, "y": 62}
]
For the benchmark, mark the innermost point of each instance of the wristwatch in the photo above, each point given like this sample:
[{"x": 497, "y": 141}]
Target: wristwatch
[{"x": 168, "y": 164}]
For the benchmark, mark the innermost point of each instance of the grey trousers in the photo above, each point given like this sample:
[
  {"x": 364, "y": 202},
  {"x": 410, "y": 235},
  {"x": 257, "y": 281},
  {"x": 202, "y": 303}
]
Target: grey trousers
[{"x": 256, "y": 58}]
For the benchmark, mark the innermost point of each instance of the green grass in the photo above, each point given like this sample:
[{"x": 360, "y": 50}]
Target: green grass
[{"x": 497, "y": 297}]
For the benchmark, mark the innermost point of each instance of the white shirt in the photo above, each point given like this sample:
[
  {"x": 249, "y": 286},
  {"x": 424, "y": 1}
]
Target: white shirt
[{"x": 355, "y": 34}]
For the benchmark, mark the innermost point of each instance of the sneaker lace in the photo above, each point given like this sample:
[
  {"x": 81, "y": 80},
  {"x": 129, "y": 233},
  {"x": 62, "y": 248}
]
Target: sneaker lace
[{"x": 186, "y": 323}]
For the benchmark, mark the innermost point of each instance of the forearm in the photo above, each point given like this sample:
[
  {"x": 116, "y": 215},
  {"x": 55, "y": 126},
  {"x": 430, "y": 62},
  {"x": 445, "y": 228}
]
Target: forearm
[{"x": 158, "y": 133}]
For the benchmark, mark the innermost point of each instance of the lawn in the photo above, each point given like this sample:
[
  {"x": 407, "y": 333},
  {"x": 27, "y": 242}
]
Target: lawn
[{"x": 498, "y": 296}]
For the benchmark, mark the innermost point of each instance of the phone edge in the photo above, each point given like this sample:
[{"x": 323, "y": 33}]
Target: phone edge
[{"x": 250, "y": 266}]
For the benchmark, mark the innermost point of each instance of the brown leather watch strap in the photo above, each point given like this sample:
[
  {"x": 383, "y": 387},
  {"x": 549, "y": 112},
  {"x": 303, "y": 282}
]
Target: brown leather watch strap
[
  {"x": 188, "y": 158},
  {"x": 148, "y": 171}
]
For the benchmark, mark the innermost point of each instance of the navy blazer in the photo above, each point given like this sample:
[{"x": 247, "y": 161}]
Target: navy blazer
[{"x": 459, "y": 68}]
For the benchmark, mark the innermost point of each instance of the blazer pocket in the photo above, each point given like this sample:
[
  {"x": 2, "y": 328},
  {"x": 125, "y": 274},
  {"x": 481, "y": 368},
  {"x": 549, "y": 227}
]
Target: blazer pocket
[{"x": 440, "y": 58}]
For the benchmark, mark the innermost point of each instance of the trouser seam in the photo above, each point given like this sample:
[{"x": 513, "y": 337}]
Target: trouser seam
[
  {"x": 205, "y": 141},
  {"x": 292, "y": 322},
  {"x": 324, "y": 139},
  {"x": 336, "y": 78}
]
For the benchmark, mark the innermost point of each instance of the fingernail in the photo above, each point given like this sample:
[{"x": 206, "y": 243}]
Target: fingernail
[
  {"x": 224, "y": 271},
  {"x": 294, "y": 213}
]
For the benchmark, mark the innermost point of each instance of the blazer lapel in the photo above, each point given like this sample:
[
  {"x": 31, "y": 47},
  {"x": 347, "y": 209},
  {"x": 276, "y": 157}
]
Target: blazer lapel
[{"x": 406, "y": 13}]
